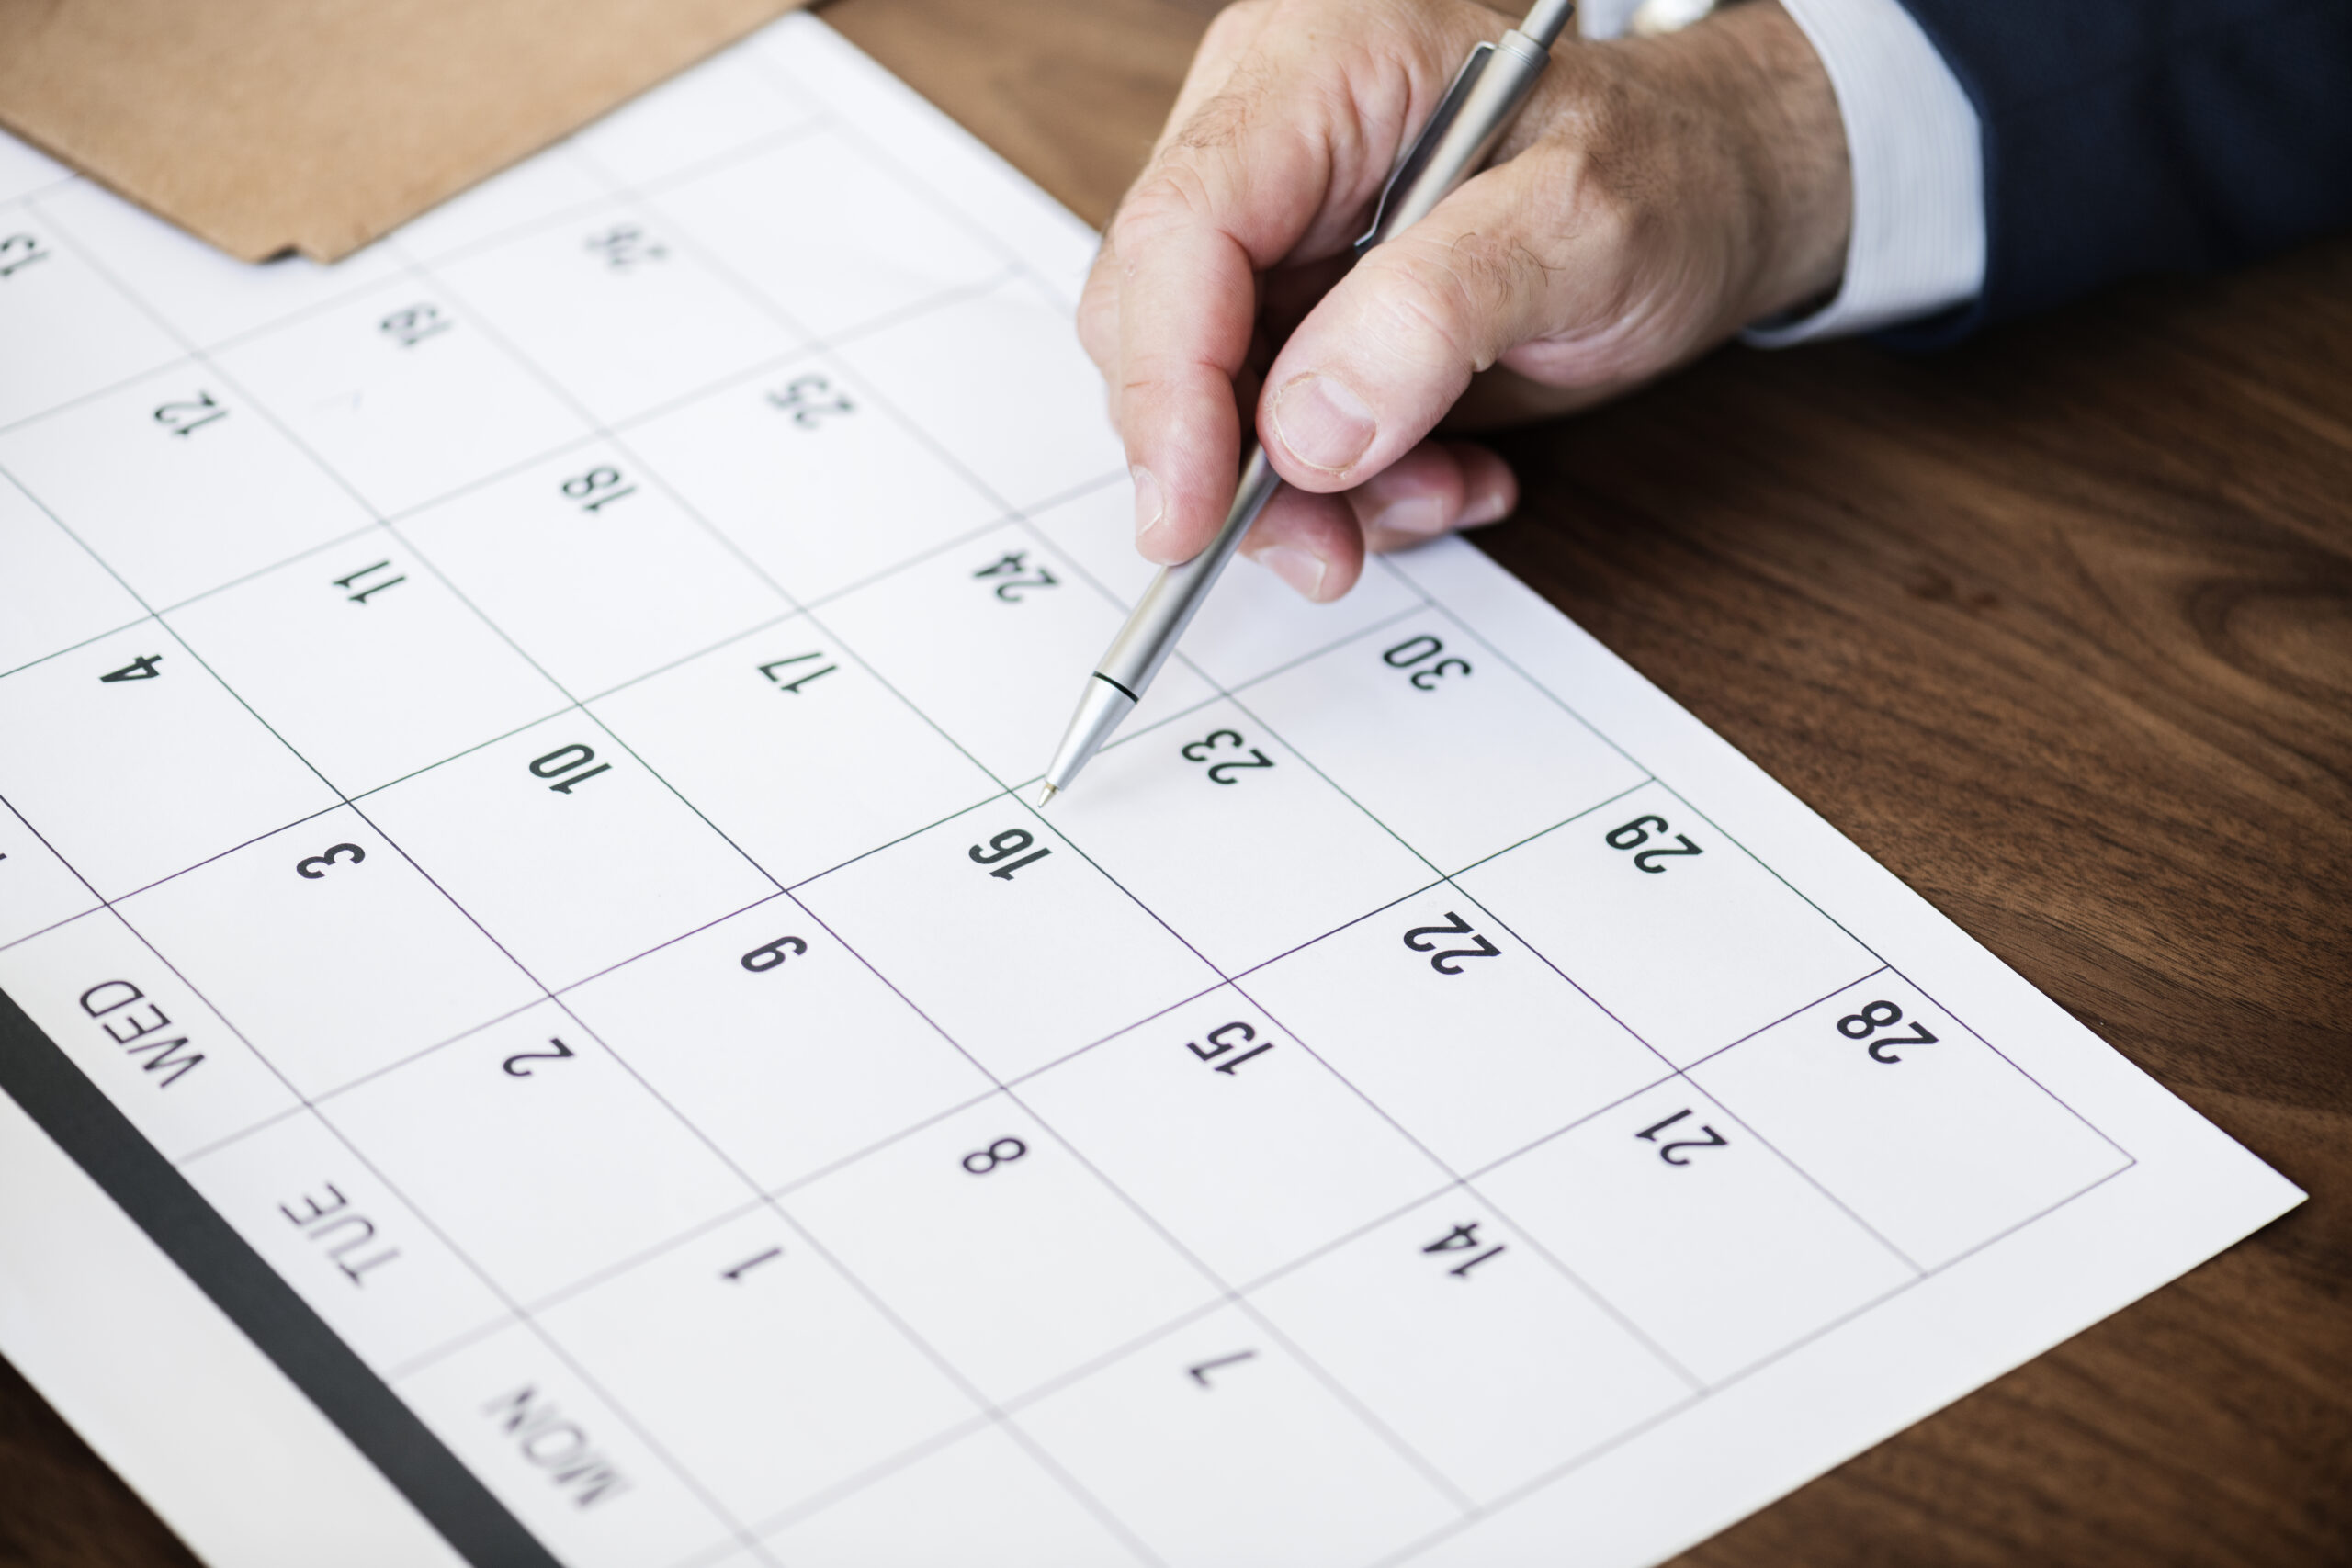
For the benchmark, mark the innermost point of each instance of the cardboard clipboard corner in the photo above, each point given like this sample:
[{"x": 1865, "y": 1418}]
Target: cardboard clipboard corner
[{"x": 264, "y": 127}]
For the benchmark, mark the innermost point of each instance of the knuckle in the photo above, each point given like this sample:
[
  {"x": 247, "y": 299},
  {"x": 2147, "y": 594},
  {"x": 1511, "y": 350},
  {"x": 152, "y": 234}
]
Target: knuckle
[
  {"x": 1172, "y": 195},
  {"x": 1458, "y": 298},
  {"x": 1230, "y": 25}
]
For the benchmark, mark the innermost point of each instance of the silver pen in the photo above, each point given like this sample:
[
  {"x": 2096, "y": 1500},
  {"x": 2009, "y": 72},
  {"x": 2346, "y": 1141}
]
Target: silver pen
[{"x": 1485, "y": 98}]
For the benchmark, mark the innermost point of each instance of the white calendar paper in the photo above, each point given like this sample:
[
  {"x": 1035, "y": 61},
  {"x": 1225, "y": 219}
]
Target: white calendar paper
[{"x": 513, "y": 753}]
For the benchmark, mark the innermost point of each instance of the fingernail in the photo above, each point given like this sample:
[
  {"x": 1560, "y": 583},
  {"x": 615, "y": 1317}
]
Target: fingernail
[
  {"x": 1302, "y": 571},
  {"x": 1420, "y": 515},
  {"x": 1321, "y": 421},
  {"x": 1491, "y": 507},
  {"x": 1149, "y": 511}
]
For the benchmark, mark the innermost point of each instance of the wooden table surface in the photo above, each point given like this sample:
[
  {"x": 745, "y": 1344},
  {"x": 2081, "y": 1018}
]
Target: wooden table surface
[{"x": 2059, "y": 627}]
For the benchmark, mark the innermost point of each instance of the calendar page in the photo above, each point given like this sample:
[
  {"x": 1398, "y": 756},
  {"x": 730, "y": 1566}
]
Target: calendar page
[{"x": 545, "y": 1015}]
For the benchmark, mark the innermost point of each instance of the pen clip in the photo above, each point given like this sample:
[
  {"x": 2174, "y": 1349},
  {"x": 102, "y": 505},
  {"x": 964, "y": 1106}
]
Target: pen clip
[{"x": 1408, "y": 168}]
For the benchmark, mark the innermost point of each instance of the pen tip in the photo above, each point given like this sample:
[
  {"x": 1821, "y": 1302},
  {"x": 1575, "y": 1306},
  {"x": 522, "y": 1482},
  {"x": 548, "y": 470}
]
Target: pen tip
[{"x": 1047, "y": 797}]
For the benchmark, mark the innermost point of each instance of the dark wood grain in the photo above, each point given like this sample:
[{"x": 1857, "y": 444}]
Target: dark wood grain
[{"x": 2059, "y": 627}]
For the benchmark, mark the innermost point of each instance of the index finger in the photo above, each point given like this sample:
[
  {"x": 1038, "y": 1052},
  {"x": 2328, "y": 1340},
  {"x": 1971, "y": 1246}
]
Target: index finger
[{"x": 1279, "y": 162}]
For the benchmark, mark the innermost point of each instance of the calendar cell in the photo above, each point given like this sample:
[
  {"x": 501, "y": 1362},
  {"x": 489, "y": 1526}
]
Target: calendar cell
[
  {"x": 616, "y": 310},
  {"x": 207, "y": 295},
  {"x": 1042, "y": 624},
  {"x": 1216, "y": 1074},
  {"x": 1218, "y": 1410},
  {"x": 529, "y": 194},
  {"x": 794, "y": 749},
  {"x": 54, "y": 592},
  {"x": 1253, "y": 624},
  {"x": 1470, "y": 1346},
  {"x": 65, "y": 330},
  {"x": 1006, "y": 937},
  {"x": 23, "y": 171},
  {"x": 1935, "y": 1139},
  {"x": 1444, "y": 1021},
  {"x": 568, "y": 850},
  {"x": 982, "y": 1502},
  {"x": 759, "y": 1368},
  {"x": 1223, "y": 832},
  {"x": 538, "y": 1154},
  {"x": 811, "y": 478},
  {"x": 36, "y": 890},
  {"x": 593, "y": 569},
  {"x": 403, "y": 392},
  {"x": 146, "y": 764},
  {"x": 346, "y": 1242},
  {"x": 549, "y": 1445},
  {"x": 362, "y": 658},
  {"x": 999, "y": 379},
  {"x": 179, "y": 483},
  {"x": 801, "y": 223},
  {"x": 331, "y": 901},
  {"x": 1000, "y": 1248},
  {"x": 776, "y": 1043},
  {"x": 1634, "y": 900},
  {"x": 1684, "y": 1221},
  {"x": 702, "y": 114},
  {"x": 1459, "y": 754},
  {"x": 142, "y": 1034}
]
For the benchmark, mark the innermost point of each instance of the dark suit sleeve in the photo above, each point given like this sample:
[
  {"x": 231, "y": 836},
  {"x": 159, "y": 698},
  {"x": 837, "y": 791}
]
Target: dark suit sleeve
[{"x": 2124, "y": 137}]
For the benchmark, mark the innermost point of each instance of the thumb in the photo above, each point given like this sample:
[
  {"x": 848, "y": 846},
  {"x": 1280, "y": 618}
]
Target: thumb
[{"x": 1383, "y": 356}]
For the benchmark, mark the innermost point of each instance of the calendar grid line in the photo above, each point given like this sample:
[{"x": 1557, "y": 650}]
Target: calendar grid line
[
  {"x": 1559, "y": 1472},
  {"x": 1599, "y": 1299},
  {"x": 1125, "y": 735},
  {"x": 821, "y": 119},
  {"x": 447, "y": 1242},
  {"x": 971, "y": 1390},
  {"x": 1986, "y": 1041},
  {"x": 614, "y": 189},
  {"x": 1199, "y": 1265},
  {"x": 1299, "y": 1353},
  {"x": 547, "y": 993},
  {"x": 1470, "y": 631},
  {"x": 1883, "y": 969},
  {"x": 807, "y": 343},
  {"x": 1682, "y": 1072},
  {"x": 1777, "y": 877},
  {"x": 1811, "y": 1180},
  {"x": 72, "y": 646},
  {"x": 743, "y": 557},
  {"x": 515, "y": 1310},
  {"x": 1869, "y": 949},
  {"x": 909, "y": 180},
  {"x": 422, "y": 1216}
]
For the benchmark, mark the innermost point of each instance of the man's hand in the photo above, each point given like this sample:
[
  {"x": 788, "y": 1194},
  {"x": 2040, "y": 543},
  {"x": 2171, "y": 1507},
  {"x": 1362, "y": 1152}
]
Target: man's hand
[{"x": 1656, "y": 196}]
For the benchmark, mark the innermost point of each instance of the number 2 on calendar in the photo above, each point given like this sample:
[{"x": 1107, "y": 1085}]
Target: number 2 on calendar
[
  {"x": 1670, "y": 1150},
  {"x": 1223, "y": 768},
  {"x": 1634, "y": 834},
  {"x": 1876, "y": 1016},
  {"x": 1421, "y": 940}
]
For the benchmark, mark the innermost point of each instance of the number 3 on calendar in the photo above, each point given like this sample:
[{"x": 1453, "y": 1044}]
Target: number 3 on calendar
[{"x": 1212, "y": 749}]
